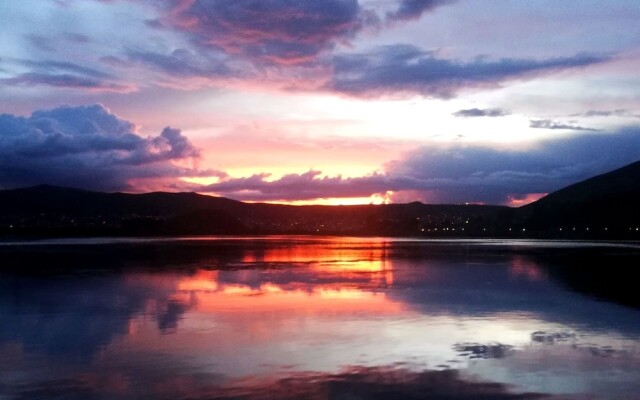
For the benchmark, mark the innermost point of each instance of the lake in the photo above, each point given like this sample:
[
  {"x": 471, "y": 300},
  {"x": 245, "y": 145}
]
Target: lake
[{"x": 318, "y": 318}]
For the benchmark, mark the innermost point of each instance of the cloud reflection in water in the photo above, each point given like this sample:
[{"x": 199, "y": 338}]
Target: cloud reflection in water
[{"x": 316, "y": 319}]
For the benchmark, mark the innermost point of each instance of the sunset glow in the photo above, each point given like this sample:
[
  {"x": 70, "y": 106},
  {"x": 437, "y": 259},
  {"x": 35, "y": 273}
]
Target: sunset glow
[{"x": 336, "y": 102}]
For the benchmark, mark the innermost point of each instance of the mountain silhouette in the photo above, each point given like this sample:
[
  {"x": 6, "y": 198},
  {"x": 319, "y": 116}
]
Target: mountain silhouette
[
  {"x": 604, "y": 206},
  {"x": 607, "y": 204}
]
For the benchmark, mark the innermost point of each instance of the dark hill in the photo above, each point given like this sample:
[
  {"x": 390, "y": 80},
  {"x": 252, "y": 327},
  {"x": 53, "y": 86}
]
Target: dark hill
[
  {"x": 607, "y": 204},
  {"x": 53, "y": 211},
  {"x": 50, "y": 199}
]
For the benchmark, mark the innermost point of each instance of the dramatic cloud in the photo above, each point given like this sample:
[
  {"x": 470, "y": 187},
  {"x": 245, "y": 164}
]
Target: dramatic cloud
[
  {"x": 270, "y": 31},
  {"x": 413, "y": 9},
  {"x": 455, "y": 174},
  {"x": 478, "y": 112},
  {"x": 86, "y": 147},
  {"x": 89, "y": 147},
  {"x": 404, "y": 68},
  {"x": 548, "y": 124},
  {"x": 285, "y": 44}
]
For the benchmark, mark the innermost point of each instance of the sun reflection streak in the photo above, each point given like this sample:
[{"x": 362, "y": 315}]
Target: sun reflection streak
[{"x": 338, "y": 259}]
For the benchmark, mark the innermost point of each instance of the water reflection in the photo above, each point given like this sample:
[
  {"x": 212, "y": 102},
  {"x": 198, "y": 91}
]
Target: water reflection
[{"x": 307, "y": 318}]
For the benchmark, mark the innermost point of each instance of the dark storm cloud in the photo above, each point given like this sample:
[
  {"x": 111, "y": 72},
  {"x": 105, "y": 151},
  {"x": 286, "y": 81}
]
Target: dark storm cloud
[
  {"x": 479, "y": 112},
  {"x": 270, "y": 31},
  {"x": 455, "y": 174},
  {"x": 413, "y": 9},
  {"x": 86, "y": 147},
  {"x": 405, "y": 68},
  {"x": 549, "y": 124}
]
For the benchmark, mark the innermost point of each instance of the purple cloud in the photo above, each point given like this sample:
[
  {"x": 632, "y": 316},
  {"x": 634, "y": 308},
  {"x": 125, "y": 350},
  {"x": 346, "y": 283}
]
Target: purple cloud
[
  {"x": 305, "y": 186},
  {"x": 484, "y": 174},
  {"x": 179, "y": 62},
  {"x": 404, "y": 68},
  {"x": 63, "y": 66},
  {"x": 64, "y": 74},
  {"x": 270, "y": 31},
  {"x": 86, "y": 147},
  {"x": 413, "y": 9},
  {"x": 64, "y": 81}
]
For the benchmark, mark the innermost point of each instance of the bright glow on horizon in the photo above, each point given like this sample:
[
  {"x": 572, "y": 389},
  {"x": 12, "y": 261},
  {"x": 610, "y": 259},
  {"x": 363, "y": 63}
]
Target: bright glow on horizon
[{"x": 337, "y": 201}]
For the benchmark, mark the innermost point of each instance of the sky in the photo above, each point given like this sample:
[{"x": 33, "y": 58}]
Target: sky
[{"x": 319, "y": 102}]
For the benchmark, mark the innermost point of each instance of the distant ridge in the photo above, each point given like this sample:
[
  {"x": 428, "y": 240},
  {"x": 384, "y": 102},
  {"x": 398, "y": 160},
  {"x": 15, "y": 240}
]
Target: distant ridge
[
  {"x": 47, "y": 198},
  {"x": 56, "y": 211},
  {"x": 602, "y": 207}
]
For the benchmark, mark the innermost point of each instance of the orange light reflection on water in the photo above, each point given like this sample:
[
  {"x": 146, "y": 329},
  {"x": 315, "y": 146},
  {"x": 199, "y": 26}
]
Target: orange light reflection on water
[
  {"x": 332, "y": 278},
  {"x": 342, "y": 259}
]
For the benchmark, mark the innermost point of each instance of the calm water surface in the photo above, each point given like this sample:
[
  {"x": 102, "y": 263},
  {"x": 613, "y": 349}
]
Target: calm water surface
[{"x": 315, "y": 318}]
